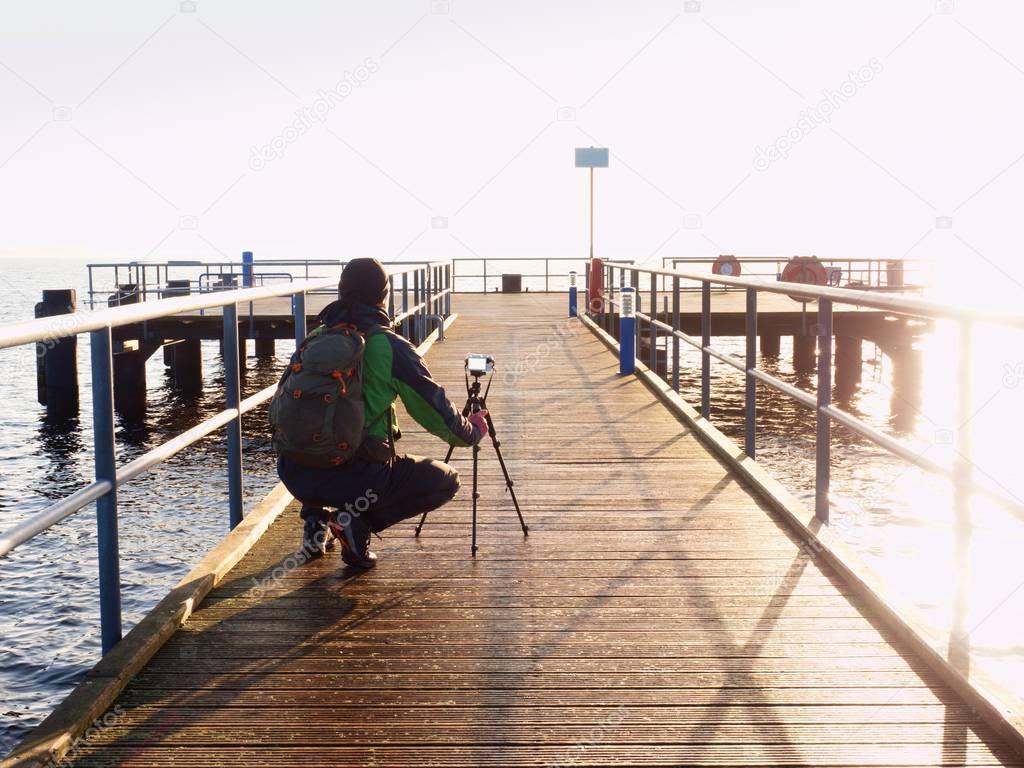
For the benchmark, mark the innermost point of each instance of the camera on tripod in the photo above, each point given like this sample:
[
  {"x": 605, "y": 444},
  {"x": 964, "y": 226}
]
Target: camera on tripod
[{"x": 479, "y": 365}]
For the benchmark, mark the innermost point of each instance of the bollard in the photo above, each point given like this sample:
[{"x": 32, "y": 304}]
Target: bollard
[
  {"x": 627, "y": 330},
  {"x": 572, "y": 294}
]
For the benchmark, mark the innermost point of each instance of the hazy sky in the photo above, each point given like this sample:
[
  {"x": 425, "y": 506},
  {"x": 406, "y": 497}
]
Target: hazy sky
[{"x": 163, "y": 130}]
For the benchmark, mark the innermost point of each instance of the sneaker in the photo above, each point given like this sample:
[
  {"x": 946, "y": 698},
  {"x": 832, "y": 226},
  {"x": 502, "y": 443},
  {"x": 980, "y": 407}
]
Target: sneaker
[
  {"x": 354, "y": 535},
  {"x": 314, "y": 537}
]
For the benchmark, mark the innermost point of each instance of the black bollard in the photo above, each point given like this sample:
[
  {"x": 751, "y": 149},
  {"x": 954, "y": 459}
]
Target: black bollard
[{"x": 57, "y": 359}]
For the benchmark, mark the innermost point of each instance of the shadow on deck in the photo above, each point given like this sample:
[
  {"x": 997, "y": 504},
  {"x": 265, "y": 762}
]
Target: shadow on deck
[{"x": 658, "y": 614}]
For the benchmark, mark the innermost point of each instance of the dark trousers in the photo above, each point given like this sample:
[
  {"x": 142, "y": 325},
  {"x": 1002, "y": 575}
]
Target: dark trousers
[{"x": 381, "y": 494}]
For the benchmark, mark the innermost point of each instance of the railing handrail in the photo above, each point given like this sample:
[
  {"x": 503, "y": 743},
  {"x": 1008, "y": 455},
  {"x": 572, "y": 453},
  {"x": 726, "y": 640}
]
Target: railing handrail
[
  {"x": 63, "y": 326},
  {"x": 425, "y": 297},
  {"x": 901, "y": 305}
]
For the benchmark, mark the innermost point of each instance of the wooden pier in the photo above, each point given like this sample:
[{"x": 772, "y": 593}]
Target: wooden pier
[{"x": 661, "y": 612}]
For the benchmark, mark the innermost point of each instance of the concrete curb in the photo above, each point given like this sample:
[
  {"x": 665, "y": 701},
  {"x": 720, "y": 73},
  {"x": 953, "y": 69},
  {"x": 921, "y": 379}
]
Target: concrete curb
[
  {"x": 993, "y": 703},
  {"x": 53, "y": 738}
]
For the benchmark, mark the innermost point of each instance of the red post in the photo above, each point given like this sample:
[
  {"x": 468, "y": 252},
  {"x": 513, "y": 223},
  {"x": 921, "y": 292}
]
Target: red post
[{"x": 596, "y": 296}]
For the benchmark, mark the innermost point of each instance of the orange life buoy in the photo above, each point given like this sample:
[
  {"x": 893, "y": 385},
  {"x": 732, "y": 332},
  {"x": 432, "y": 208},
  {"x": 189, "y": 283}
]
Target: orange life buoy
[
  {"x": 727, "y": 265},
  {"x": 806, "y": 270}
]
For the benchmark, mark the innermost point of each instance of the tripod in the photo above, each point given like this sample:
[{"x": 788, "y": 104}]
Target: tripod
[{"x": 476, "y": 402}]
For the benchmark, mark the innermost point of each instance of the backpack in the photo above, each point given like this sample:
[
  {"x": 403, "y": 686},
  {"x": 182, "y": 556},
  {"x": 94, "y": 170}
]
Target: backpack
[{"x": 317, "y": 412}]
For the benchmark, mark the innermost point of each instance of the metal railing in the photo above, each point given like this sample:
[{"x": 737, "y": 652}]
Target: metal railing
[
  {"x": 544, "y": 281},
  {"x": 614, "y": 277},
  {"x": 895, "y": 275},
  {"x": 420, "y": 293}
]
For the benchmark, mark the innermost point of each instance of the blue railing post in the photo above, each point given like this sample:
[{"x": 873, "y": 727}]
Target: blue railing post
[
  {"x": 750, "y": 409},
  {"x": 448, "y": 288},
  {"x": 572, "y": 294},
  {"x": 299, "y": 316},
  {"x": 675, "y": 330},
  {"x": 233, "y": 398},
  {"x": 101, "y": 344},
  {"x": 823, "y": 438},
  {"x": 247, "y": 269},
  {"x": 653, "y": 331},
  {"x": 627, "y": 330},
  {"x": 705, "y": 342}
]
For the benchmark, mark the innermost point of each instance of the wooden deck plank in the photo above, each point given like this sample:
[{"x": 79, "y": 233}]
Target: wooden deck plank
[{"x": 658, "y": 614}]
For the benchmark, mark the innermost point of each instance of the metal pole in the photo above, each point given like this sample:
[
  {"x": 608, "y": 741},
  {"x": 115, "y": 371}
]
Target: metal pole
[
  {"x": 405, "y": 306},
  {"x": 653, "y": 309},
  {"x": 823, "y": 439},
  {"x": 591, "y": 213},
  {"x": 675, "y": 329},
  {"x": 299, "y": 316},
  {"x": 750, "y": 411},
  {"x": 233, "y": 397},
  {"x": 415, "y": 303},
  {"x": 101, "y": 344},
  {"x": 705, "y": 356},
  {"x": 546, "y": 276},
  {"x": 448, "y": 286}
]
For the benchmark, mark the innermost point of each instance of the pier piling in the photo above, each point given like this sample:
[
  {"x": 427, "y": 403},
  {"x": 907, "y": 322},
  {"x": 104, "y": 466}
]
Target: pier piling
[{"x": 57, "y": 359}]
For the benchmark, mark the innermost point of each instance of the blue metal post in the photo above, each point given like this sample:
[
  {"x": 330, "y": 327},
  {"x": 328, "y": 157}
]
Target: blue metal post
[
  {"x": 233, "y": 398},
  {"x": 299, "y": 316},
  {"x": 627, "y": 330},
  {"x": 705, "y": 341},
  {"x": 750, "y": 410},
  {"x": 101, "y": 344},
  {"x": 572, "y": 294},
  {"x": 675, "y": 330},
  {"x": 823, "y": 439},
  {"x": 247, "y": 269}
]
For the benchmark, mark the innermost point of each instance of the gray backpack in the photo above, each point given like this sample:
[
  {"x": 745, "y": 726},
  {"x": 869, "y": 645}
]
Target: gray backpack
[{"x": 317, "y": 412}]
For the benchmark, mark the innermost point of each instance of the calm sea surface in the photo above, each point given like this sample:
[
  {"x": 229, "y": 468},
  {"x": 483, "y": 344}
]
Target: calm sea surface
[{"x": 901, "y": 520}]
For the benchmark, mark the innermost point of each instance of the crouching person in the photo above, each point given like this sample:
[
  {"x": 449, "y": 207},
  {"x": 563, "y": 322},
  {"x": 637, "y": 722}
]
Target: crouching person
[{"x": 335, "y": 426}]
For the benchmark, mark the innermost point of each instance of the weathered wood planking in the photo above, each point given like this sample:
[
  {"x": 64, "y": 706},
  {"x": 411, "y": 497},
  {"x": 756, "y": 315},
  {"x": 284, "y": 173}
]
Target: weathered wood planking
[{"x": 658, "y": 614}]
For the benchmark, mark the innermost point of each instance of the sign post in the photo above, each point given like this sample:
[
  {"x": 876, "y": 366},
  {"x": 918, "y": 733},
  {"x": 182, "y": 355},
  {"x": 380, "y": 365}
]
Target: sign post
[{"x": 591, "y": 158}]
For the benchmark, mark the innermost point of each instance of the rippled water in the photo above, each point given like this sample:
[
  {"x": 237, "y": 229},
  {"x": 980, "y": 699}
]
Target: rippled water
[
  {"x": 901, "y": 520},
  {"x": 168, "y": 519}
]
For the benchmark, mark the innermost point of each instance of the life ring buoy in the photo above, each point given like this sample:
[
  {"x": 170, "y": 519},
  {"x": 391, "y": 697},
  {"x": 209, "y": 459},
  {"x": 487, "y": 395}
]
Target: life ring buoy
[
  {"x": 727, "y": 265},
  {"x": 806, "y": 270}
]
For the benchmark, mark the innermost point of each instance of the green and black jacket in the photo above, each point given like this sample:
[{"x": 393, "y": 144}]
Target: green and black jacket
[{"x": 392, "y": 368}]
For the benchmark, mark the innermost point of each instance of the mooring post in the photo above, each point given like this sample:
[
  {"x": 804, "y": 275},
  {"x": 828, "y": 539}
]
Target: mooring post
[
  {"x": 57, "y": 358},
  {"x": 101, "y": 346},
  {"x": 572, "y": 294},
  {"x": 627, "y": 330}
]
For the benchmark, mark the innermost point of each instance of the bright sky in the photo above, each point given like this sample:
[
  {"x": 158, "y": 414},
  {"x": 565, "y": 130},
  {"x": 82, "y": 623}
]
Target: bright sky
[{"x": 157, "y": 130}]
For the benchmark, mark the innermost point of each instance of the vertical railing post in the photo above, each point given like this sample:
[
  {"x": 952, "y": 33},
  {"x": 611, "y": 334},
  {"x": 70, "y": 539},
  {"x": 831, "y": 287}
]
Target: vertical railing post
[
  {"x": 391, "y": 296},
  {"x": 448, "y": 288},
  {"x": 299, "y": 316},
  {"x": 750, "y": 410},
  {"x": 823, "y": 435},
  {"x": 233, "y": 398},
  {"x": 406, "y": 324},
  {"x": 627, "y": 331},
  {"x": 572, "y": 294},
  {"x": 485, "y": 275},
  {"x": 705, "y": 342},
  {"x": 105, "y": 459},
  {"x": 415, "y": 339},
  {"x": 675, "y": 330},
  {"x": 653, "y": 310}
]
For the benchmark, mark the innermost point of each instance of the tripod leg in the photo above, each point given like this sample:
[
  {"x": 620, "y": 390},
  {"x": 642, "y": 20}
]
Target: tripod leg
[
  {"x": 447, "y": 458},
  {"x": 476, "y": 495},
  {"x": 508, "y": 478}
]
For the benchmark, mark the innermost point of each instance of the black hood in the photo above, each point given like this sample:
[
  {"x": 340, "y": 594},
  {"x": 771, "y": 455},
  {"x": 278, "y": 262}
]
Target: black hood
[{"x": 361, "y": 316}]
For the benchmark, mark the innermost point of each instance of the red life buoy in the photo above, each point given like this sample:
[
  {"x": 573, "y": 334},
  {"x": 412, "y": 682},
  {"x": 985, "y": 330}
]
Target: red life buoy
[
  {"x": 727, "y": 265},
  {"x": 806, "y": 270}
]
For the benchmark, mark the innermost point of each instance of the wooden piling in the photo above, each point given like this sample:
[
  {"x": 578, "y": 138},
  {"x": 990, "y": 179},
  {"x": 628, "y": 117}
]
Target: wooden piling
[
  {"x": 804, "y": 357},
  {"x": 57, "y": 359},
  {"x": 771, "y": 344},
  {"x": 265, "y": 347}
]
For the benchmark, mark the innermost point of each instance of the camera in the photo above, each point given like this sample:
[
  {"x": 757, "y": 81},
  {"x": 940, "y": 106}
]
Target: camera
[{"x": 478, "y": 365}]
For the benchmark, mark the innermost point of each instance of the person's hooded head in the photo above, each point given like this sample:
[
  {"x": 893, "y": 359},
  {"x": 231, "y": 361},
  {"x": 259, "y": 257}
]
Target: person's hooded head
[{"x": 364, "y": 281}]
